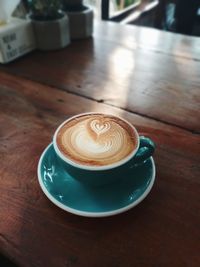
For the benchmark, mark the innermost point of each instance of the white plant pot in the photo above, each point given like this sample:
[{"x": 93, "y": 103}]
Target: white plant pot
[
  {"x": 52, "y": 34},
  {"x": 81, "y": 23}
]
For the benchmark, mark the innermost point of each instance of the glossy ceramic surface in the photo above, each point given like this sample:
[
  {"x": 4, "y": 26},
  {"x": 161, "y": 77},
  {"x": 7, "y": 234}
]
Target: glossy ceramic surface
[{"x": 90, "y": 201}]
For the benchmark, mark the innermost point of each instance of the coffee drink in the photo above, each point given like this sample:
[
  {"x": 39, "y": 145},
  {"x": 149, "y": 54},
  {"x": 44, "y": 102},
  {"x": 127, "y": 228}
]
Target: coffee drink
[{"x": 96, "y": 139}]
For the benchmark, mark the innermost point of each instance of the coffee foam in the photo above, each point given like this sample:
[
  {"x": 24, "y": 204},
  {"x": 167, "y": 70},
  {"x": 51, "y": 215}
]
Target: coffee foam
[{"x": 96, "y": 139}]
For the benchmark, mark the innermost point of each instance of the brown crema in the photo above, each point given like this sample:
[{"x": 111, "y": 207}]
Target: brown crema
[{"x": 96, "y": 139}]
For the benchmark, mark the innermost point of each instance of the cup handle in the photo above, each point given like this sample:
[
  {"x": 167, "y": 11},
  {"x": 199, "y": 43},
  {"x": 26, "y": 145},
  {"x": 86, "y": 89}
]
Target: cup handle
[{"x": 145, "y": 151}]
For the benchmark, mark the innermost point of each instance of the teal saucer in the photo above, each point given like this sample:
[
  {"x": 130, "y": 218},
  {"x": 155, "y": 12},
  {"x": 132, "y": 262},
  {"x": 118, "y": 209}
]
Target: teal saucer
[{"x": 79, "y": 199}]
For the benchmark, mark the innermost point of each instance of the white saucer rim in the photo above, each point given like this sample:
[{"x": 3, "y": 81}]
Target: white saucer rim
[{"x": 93, "y": 214}]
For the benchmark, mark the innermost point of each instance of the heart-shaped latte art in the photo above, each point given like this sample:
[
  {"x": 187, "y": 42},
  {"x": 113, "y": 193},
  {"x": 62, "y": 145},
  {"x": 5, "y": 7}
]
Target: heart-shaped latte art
[
  {"x": 96, "y": 140},
  {"x": 98, "y": 127}
]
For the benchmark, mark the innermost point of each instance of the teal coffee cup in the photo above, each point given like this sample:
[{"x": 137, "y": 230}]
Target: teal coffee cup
[{"x": 97, "y": 149}]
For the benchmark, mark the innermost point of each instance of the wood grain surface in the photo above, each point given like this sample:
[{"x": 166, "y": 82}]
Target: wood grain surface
[
  {"x": 147, "y": 38},
  {"x": 162, "y": 231},
  {"x": 145, "y": 71}
]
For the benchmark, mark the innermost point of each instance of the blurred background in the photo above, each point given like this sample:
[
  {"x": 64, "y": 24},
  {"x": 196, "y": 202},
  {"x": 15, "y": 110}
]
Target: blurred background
[{"x": 181, "y": 16}]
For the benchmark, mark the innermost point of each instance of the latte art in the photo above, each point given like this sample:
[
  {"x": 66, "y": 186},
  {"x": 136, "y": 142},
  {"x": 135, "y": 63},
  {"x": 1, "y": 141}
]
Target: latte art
[
  {"x": 96, "y": 139},
  {"x": 99, "y": 128}
]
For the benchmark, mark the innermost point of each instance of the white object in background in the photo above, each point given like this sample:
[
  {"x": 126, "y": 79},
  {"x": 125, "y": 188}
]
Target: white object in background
[
  {"x": 6, "y": 9},
  {"x": 16, "y": 39},
  {"x": 81, "y": 23},
  {"x": 52, "y": 34}
]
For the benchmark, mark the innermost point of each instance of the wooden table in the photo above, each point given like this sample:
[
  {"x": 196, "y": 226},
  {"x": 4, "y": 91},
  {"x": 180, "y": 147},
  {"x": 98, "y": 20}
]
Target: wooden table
[{"x": 150, "y": 78}]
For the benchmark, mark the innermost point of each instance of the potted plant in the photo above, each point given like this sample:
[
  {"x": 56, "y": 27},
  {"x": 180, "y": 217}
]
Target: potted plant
[
  {"x": 80, "y": 18},
  {"x": 73, "y": 5},
  {"x": 50, "y": 24}
]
